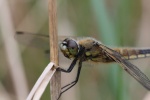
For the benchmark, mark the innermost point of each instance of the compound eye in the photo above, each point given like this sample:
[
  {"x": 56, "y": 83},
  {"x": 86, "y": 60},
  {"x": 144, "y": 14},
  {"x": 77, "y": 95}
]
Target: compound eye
[
  {"x": 72, "y": 47},
  {"x": 72, "y": 44}
]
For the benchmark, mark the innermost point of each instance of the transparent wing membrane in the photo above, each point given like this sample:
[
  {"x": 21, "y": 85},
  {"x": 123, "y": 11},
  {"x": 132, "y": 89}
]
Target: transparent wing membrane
[
  {"x": 33, "y": 40},
  {"x": 128, "y": 67}
]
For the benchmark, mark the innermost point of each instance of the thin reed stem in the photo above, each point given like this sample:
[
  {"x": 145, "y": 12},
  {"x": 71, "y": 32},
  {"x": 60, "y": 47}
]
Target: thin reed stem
[{"x": 55, "y": 84}]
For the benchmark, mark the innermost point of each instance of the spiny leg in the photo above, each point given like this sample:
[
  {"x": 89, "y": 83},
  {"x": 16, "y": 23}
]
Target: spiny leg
[
  {"x": 73, "y": 62},
  {"x": 74, "y": 82},
  {"x": 70, "y": 67},
  {"x": 77, "y": 77}
]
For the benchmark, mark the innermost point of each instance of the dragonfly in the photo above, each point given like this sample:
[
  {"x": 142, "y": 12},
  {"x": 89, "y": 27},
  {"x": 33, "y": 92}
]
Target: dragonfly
[{"x": 90, "y": 49}]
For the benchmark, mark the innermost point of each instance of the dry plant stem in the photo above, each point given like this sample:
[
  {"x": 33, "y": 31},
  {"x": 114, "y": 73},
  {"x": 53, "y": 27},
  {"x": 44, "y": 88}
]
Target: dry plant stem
[
  {"x": 42, "y": 82},
  {"x": 13, "y": 57},
  {"x": 55, "y": 84}
]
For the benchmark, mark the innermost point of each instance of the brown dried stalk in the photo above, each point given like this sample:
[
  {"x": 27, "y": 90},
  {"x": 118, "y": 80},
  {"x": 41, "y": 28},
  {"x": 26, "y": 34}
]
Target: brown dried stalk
[{"x": 55, "y": 84}]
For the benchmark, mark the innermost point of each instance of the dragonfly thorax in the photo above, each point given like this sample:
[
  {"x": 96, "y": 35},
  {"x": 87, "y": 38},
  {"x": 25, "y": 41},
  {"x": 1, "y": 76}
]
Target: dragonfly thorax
[{"x": 69, "y": 48}]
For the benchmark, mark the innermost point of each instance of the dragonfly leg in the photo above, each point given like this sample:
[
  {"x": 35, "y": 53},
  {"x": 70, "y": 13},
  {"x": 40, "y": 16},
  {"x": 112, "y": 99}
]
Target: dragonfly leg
[
  {"x": 70, "y": 67},
  {"x": 73, "y": 62},
  {"x": 68, "y": 86}
]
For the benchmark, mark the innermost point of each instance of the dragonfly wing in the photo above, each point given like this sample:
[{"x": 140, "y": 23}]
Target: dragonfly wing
[
  {"x": 39, "y": 41},
  {"x": 128, "y": 67},
  {"x": 33, "y": 40},
  {"x": 36, "y": 40}
]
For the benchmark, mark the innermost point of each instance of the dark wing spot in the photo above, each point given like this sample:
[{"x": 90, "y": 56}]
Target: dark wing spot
[{"x": 19, "y": 32}]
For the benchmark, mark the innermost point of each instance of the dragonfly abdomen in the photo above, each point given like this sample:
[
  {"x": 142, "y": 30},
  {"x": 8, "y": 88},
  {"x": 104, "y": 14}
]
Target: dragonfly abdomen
[{"x": 131, "y": 53}]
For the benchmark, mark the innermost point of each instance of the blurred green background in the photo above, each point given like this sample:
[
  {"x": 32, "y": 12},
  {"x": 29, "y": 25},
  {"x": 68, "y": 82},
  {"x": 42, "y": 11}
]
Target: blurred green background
[{"x": 116, "y": 23}]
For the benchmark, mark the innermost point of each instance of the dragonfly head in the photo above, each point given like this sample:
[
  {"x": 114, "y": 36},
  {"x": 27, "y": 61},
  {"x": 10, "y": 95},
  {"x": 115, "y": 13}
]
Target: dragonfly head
[{"x": 69, "y": 47}]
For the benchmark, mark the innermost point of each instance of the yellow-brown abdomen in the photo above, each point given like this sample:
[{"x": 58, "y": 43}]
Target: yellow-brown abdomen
[{"x": 133, "y": 53}]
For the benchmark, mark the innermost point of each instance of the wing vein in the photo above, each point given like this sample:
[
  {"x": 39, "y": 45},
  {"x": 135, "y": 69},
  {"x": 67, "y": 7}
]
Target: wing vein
[{"x": 128, "y": 67}]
